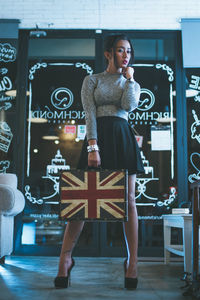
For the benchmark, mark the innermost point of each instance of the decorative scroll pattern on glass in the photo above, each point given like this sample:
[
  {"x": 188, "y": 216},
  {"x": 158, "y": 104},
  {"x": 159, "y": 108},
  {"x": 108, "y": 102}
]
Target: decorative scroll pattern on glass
[
  {"x": 4, "y": 165},
  {"x": 149, "y": 113},
  {"x": 193, "y": 107}
]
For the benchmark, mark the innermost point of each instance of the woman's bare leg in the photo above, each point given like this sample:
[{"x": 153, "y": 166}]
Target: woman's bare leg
[
  {"x": 71, "y": 235},
  {"x": 131, "y": 229}
]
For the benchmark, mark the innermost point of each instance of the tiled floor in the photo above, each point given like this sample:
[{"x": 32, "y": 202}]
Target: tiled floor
[{"x": 92, "y": 279}]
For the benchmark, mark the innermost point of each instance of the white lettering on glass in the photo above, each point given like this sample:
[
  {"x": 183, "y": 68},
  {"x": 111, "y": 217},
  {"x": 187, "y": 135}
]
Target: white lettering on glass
[
  {"x": 5, "y": 84},
  {"x": 195, "y": 82},
  {"x": 7, "y": 53}
]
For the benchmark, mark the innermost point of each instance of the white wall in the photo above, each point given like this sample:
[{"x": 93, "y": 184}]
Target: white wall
[{"x": 103, "y": 14}]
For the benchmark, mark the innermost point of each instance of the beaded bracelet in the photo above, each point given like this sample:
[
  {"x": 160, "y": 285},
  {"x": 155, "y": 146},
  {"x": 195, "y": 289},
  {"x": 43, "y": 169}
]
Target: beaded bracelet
[{"x": 92, "y": 148}]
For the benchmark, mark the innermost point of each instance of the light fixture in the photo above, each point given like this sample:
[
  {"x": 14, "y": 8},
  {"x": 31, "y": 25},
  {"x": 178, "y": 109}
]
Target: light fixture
[
  {"x": 165, "y": 120},
  {"x": 51, "y": 135},
  {"x": 38, "y": 33},
  {"x": 189, "y": 93},
  {"x": 37, "y": 120},
  {"x": 13, "y": 93}
]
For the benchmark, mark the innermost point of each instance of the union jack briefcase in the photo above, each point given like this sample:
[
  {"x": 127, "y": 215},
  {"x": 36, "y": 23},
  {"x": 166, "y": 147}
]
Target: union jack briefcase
[{"x": 93, "y": 195}]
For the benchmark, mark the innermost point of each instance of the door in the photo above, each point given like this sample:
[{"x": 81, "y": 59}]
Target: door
[
  {"x": 55, "y": 129},
  {"x": 154, "y": 124}
]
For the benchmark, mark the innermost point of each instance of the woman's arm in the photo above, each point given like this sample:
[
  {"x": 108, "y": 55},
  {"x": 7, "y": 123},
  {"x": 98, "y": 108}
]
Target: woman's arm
[
  {"x": 87, "y": 97},
  {"x": 131, "y": 93},
  {"x": 94, "y": 159}
]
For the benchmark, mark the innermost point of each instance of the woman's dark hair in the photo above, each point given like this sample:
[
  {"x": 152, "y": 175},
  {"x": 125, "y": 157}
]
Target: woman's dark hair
[{"x": 111, "y": 41}]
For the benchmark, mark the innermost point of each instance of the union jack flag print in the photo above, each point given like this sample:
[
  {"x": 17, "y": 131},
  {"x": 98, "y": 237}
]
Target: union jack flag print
[{"x": 94, "y": 195}]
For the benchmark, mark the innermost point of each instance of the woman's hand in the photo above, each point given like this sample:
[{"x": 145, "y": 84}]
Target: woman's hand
[
  {"x": 128, "y": 72},
  {"x": 94, "y": 159}
]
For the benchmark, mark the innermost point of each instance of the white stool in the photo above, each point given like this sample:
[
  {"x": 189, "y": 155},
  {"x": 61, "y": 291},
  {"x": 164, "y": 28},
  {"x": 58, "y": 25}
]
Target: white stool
[{"x": 178, "y": 221}]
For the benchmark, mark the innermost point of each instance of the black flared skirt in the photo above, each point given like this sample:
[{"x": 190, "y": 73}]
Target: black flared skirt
[{"x": 117, "y": 144}]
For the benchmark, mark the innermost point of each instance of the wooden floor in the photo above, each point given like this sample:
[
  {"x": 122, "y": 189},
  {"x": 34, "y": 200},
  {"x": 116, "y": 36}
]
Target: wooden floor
[{"x": 92, "y": 279}]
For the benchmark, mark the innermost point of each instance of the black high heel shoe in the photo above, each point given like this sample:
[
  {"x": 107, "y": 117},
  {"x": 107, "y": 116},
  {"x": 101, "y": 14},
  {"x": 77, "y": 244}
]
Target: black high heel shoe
[
  {"x": 62, "y": 282},
  {"x": 129, "y": 283}
]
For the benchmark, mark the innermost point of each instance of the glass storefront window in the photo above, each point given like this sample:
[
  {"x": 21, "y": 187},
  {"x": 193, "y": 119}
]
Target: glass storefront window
[
  {"x": 55, "y": 130},
  {"x": 154, "y": 124}
]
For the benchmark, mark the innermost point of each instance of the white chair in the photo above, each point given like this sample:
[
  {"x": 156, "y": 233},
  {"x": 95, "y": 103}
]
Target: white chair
[{"x": 12, "y": 202}]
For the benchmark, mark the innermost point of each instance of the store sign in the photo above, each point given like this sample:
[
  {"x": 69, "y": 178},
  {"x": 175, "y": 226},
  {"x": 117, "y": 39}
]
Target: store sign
[
  {"x": 56, "y": 116},
  {"x": 148, "y": 116},
  {"x": 160, "y": 138},
  {"x": 71, "y": 129},
  {"x": 62, "y": 98},
  {"x": 81, "y": 132}
]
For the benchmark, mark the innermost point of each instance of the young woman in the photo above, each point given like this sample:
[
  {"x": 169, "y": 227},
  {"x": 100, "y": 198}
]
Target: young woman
[{"x": 107, "y": 99}]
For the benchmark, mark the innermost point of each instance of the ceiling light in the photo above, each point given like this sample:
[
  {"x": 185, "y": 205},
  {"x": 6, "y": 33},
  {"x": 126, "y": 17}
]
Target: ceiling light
[
  {"x": 166, "y": 120},
  {"x": 13, "y": 93},
  {"x": 189, "y": 93},
  {"x": 38, "y": 120},
  {"x": 50, "y": 137}
]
